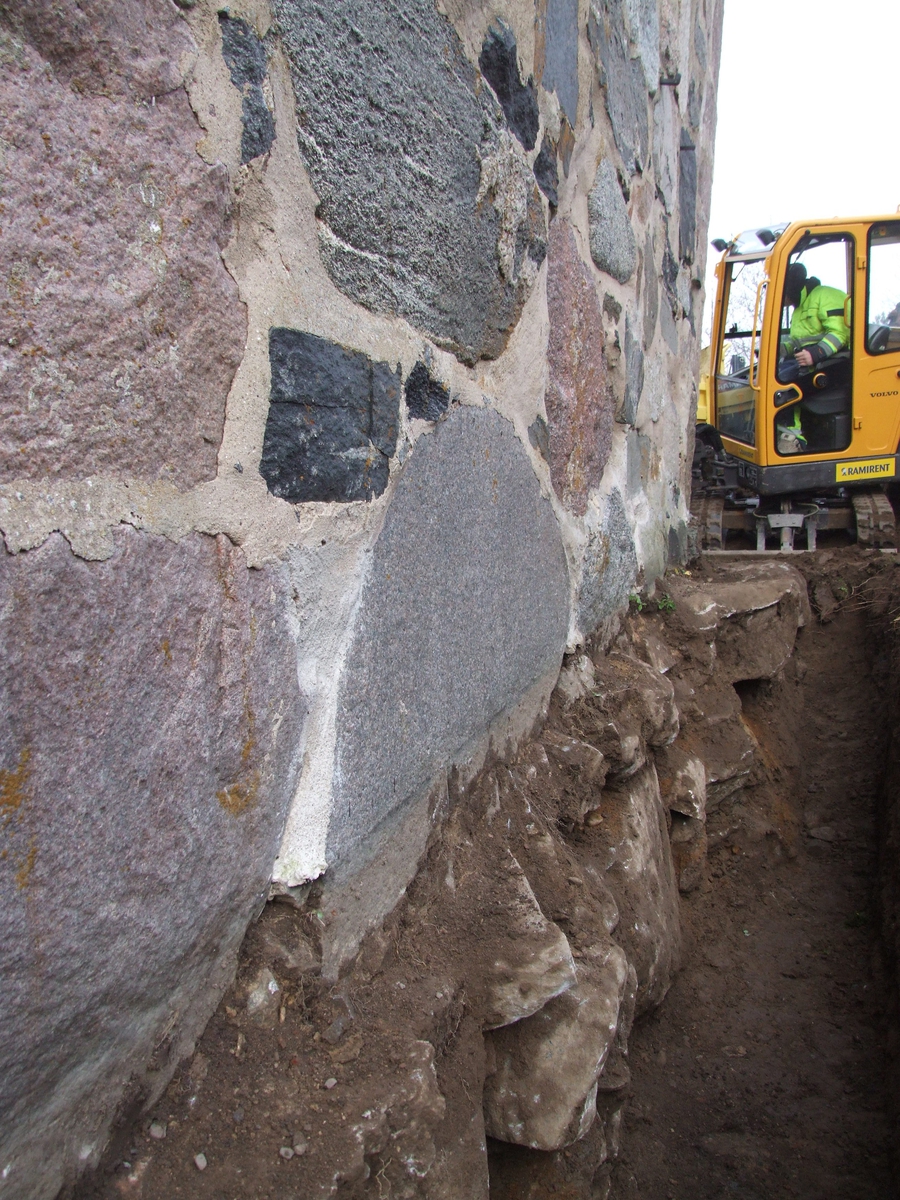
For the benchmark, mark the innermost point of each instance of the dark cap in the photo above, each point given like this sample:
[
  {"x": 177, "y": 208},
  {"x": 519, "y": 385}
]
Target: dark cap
[{"x": 794, "y": 281}]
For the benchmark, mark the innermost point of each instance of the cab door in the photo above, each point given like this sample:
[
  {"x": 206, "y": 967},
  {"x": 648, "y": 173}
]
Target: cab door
[
  {"x": 877, "y": 385},
  {"x": 736, "y": 356}
]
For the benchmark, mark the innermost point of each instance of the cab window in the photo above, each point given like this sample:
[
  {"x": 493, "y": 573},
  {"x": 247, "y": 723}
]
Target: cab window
[
  {"x": 735, "y": 399},
  {"x": 883, "y": 300}
]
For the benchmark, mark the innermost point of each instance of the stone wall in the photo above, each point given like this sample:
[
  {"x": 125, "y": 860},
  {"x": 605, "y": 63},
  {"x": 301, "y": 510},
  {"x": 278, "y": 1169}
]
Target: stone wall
[{"x": 347, "y": 367}]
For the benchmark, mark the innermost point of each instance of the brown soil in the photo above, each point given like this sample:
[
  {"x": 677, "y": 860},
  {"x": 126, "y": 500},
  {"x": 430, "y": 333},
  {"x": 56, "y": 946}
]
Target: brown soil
[{"x": 763, "y": 1074}]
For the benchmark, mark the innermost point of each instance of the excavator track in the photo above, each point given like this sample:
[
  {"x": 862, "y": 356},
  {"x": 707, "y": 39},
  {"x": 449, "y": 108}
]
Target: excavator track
[
  {"x": 875, "y": 524},
  {"x": 708, "y": 512}
]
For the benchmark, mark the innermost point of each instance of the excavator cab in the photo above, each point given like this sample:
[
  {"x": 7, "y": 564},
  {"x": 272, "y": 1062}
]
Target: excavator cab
[{"x": 802, "y": 431}]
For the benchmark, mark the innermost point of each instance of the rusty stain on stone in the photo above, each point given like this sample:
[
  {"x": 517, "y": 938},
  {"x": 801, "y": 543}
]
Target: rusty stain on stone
[
  {"x": 24, "y": 872},
  {"x": 238, "y": 797},
  {"x": 13, "y": 792}
]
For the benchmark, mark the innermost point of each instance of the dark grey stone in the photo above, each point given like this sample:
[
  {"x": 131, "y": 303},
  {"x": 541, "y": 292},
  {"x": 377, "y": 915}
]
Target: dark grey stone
[
  {"x": 394, "y": 125},
  {"x": 539, "y": 436},
  {"x": 634, "y": 375},
  {"x": 332, "y": 423},
  {"x": 609, "y": 567},
  {"x": 149, "y": 724},
  {"x": 695, "y": 104},
  {"x": 678, "y": 544},
  {"x": 546, "y": 171},
  {"x": 613, "y": 247},
  {"x": 700, "y": 48},
  {"x": 559, "y": 24},
  {"x": 464, "y": 608},
  {"x": 687, "y": 198},
  {"x": 623, "y": 81},
  {"x": 651, "y": 292},
  {"x": 638, "y": 448},
  {"x": 244, "y": 53},
  {"x": 612, "y": 308},
  {"x": 245, "y": 57},
  {"x": 425, "y": 397},
  {"x": 258, "y": 131},
  {"x": 668, "y": 328},
  {"x": 670, "y": 274},
  {"x": 500, "y": 66}
]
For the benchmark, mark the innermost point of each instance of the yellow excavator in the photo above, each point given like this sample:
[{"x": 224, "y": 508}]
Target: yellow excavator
[{"x": 798, "y": 422}]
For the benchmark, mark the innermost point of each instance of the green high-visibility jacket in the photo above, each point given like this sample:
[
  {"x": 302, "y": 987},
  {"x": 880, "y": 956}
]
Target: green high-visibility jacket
[{"x": 818, "y": 323}]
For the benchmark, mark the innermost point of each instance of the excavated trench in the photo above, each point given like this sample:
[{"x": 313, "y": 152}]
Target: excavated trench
[
  {"x": 714, "y": 917},
  {"x": 765, "y": 1072}
]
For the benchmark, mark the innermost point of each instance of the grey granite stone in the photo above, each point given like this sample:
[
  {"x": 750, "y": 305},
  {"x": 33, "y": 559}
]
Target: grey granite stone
[
  {"x": 609, "y": 567},
  {"x": 332, "y": 423},
  {"x": 245, "y": 57},
  {"x": 557, "y": 52},
  {"x": 623, "y": 80},
  {"x": 666, "y": 135},
  {"x": 613, "y": 247},
  {"x": 634, "y": 375},
  {"x": 651, "y": 292},
  {"x": 500, "y": 66},
  {"x": 687, "y": 198},
  {"x": 638, "y": 462},
  {"x": 428, "y": 208},
  {"x": 465, "y": 607},
  {"x": 643, "y": 25},
  {"x": 426, "y": 397},
  {"x": 149, "y": 718},
  {"x": 669, "y": 330}
]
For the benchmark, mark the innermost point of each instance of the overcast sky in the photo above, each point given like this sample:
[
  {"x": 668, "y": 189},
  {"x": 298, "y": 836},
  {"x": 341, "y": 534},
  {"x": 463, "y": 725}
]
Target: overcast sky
[{"x": 809, "y": 113}]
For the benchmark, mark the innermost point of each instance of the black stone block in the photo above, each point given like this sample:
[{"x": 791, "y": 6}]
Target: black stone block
[
  {"x": 332, "y": 424},
  {"x": 546, "y": 172},
  {"x": 500, "y": 67},
  {"x": 426, "y": 398},
  {"x": 245, "y": 57},
  {"x": 244, "y": 53},
  {"x": 259, "y": 128}
]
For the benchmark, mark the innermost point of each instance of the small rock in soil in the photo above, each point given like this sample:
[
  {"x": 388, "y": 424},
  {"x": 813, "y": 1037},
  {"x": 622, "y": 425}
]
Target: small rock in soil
[
  {"x": 824, "y": 833},
  {"x": 158, "y": 1130},
  {"x": 286, "y": 1152},
  {"x": 200, "y": 1162}
]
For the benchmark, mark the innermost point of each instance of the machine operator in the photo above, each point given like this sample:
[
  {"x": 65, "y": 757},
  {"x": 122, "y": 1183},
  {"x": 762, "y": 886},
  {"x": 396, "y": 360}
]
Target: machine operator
[{"x": 818, "y": 328}]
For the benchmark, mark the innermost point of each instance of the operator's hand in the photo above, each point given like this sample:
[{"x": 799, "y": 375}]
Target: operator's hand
[{"x": 803, "y": 358}]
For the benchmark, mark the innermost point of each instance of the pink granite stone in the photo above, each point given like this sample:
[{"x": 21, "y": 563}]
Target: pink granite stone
[
  {"x": 579, "y": 400},
  {"x": 151, "y": 728},
  {"x": 120, "y": 329}
]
